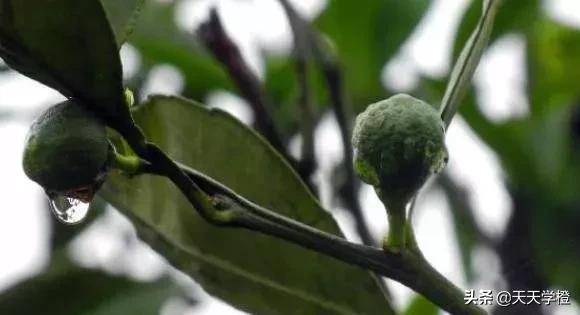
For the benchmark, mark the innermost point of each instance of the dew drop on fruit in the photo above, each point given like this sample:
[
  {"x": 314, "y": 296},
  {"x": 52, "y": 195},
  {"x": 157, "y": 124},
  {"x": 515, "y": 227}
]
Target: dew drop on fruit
[{"x": 69, "y": 210}]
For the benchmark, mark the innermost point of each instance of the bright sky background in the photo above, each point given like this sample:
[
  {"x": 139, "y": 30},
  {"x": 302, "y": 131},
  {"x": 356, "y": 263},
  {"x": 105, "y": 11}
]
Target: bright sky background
[{"x": 500, "y": 83}]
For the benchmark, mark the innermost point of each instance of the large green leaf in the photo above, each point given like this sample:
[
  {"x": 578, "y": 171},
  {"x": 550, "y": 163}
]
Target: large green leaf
[
  {"x": 254, "y": 272},
  {"x": 122, "y": 16},
  {"x": 367, "y": 33},
  {"x": 67, "y": 45}
]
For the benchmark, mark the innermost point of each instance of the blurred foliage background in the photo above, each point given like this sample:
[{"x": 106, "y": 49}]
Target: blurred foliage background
[{"x": 538, "y": 148}]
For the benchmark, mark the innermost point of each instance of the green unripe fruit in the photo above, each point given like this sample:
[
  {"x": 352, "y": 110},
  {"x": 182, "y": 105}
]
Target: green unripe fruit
[
  {"x": 398, "y": 143},
  {"x": 66, "y": 149}
]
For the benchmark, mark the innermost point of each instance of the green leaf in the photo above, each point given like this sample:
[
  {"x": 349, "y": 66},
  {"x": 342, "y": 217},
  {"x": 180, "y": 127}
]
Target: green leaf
[
  {"x": 67, "y": 45},
  {"x": 460, "y": 79},
  {"x": 122, "y": 15},
  {"x": 421, "y": 306},
  {"x": 367, "y": 33},
  {"x": 254, "y": 272},
  {"x": 280, "y": 85},
  {"x": 552, "y": 51},
  {"x": 67, "y": 289},
  {"x": 555, "y": 241},
  {"x": 512, "y": 17}
]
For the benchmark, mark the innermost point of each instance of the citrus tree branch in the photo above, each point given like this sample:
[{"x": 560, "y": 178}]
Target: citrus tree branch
[
  {"x": 221, "y": 206},
  {"x": 404, "y": 266}
]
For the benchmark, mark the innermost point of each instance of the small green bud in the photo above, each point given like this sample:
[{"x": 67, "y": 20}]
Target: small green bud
[
  {"x": 66, "y": 150},
  {"x": 398, "y": 143},
  {"x": 129, "y": 97}
]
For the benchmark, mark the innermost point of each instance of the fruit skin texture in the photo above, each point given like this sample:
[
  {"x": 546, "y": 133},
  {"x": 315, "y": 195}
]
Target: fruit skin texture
[
  {"x": 398, "y": 143},
  {"x": 66, "y": 148}
]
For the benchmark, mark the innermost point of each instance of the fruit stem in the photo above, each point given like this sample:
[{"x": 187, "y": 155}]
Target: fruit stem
[{"x": 397, "y": 235}]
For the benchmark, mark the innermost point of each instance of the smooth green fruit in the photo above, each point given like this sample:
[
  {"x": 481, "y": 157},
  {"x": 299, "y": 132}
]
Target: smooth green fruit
[
  {"x": 398, "y": 143},
  {"x": 66, "y": 149}
]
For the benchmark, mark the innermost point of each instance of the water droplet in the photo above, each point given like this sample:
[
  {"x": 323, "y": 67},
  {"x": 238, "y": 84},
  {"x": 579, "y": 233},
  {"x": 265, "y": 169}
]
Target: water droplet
[{"x": 69, "y": 210}]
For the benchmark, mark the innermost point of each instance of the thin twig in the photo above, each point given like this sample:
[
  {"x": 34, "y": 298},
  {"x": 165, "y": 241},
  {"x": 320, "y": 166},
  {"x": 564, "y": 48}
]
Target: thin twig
[
  {"x": 307, "y": 162},
  {"x": 333, "y": 77},
  {"x": 215, "y": 38}
]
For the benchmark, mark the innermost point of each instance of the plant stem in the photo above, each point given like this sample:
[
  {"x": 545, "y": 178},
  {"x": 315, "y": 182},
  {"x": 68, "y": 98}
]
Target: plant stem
[
  {"x": 396, "y": 237},
  {"x": 307, "y": 164},
  {"x": 200, "y": 201},
  {"x": 404, "y": 265},
  {"x": 221, "y": 206},
  {"x": 302, "y": 58}
]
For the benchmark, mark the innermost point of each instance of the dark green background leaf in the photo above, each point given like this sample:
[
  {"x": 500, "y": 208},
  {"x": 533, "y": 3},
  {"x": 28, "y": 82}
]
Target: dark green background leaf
[
  {"x": 254, "y": 272},
  {"x": 421, "y": 306},
  {"x": 67, "y": 289},
  {"x": 367, "y": 33}
]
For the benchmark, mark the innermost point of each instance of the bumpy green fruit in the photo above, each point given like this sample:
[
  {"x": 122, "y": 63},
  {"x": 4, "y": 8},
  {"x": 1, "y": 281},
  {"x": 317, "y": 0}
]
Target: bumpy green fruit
[
  {"x": 66, "y": 149},
  {"x": 398, "y": 143}
]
